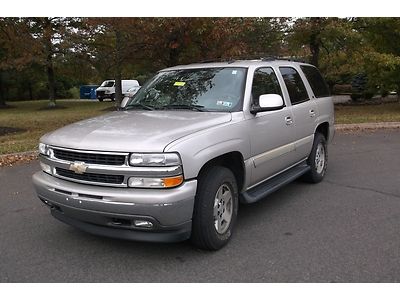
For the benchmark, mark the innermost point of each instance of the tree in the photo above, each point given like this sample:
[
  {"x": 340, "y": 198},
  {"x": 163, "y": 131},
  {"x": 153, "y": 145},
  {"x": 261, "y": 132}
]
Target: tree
[
  {"x": 16, "y": 51},
  {"x": 110, "y": 43},
  {"x": 53, "y": 37}
]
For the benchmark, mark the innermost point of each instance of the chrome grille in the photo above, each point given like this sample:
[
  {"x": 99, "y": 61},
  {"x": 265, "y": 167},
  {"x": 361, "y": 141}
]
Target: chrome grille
[
  {"x": 90, "y": 158},
  {"x": 91, "y": 177},
  {"x": 100, "y": 93}
]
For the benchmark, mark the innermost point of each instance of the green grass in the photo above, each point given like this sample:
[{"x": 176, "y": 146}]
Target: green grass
[
  {"x": 351, "y": 114},
  {"x": 35, "y": 120}
]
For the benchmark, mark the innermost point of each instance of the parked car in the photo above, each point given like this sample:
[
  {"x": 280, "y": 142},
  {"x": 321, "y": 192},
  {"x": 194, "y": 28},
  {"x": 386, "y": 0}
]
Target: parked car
[
  {"x": 107, "y": 89},
  {"x": 193, "y": 142}
]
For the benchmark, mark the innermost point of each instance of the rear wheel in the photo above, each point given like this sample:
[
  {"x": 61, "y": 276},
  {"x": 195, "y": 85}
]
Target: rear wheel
[
  {"x": 215, "y": 209},
  {"x": 100, "y": 99},
  {"x": 318, "y": 159}
]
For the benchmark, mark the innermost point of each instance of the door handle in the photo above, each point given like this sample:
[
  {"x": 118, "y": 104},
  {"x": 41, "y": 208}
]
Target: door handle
[
  {"x": 312, "y": 113},
  {"x": 288, "y": 120}
]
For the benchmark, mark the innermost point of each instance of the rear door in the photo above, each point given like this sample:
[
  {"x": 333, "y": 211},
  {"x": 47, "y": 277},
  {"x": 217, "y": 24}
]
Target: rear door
[{"x": 304, "y": 110}]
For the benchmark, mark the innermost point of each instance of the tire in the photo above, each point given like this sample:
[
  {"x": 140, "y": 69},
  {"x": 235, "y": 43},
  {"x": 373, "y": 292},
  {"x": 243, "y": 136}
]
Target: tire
[
  {"x": 317, "y": 160},
  {"x": 100, "y": 99},
  {"x": 207, "y": 232},
  {"x": 112, "y": 97}
]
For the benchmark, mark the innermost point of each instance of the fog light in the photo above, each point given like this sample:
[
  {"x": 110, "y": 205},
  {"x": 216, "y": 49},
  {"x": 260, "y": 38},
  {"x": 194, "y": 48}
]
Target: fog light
[
  {"x": 143, "y": 182},
  {"x": 143, "y": 223},
  {"x": 45, "y": 167}
]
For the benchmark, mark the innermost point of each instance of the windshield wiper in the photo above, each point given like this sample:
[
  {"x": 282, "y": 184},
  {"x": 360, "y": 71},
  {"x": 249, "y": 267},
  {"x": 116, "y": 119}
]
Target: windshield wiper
[
  {"x": 139, "y": 105},
  {"x": 184, "y": 106}
]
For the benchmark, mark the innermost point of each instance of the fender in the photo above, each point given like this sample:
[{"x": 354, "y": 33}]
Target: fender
[{"x": 200, "y": 147}]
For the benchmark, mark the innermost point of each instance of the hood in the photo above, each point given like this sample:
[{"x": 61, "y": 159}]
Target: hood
[
  {"x": 104, "y": 88},
  {"x": 133, "y": 131}
]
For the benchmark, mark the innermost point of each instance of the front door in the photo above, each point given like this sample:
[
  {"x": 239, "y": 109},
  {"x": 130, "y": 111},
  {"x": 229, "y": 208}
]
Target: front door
[{"x": 271, "y": 133}]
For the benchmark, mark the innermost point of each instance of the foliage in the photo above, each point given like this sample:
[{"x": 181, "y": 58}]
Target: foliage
[{"x": 46, "y": 57}]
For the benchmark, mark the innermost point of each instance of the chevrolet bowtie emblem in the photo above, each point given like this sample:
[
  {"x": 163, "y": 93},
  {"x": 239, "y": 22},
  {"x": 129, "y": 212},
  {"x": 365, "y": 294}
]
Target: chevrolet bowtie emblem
[{"x": 78, "y": 167}]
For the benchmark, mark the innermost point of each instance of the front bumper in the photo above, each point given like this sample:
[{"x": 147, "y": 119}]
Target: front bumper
[{"x": 110, "y": 211}]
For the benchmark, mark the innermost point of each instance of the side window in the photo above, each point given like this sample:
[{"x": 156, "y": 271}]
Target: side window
[
  {"x": 317, "y": 82},
  {"x": 264, "y": 82},
  {"x": 295, "y": 86}
]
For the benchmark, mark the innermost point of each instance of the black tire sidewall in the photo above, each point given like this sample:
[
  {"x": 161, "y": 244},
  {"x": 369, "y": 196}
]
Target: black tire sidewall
[
  {"x": 204, "y": 234},
  {"x": 314, "y": 175}
]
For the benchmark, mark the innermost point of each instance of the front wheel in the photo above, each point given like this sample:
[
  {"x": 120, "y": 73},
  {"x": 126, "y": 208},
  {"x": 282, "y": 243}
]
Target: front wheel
[
  {"x": 318, "y": 159},
  {"x": 215, "y": 209}
]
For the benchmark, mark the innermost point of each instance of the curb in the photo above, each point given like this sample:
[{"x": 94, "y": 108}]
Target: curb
[{"x": 367, "y": 126}]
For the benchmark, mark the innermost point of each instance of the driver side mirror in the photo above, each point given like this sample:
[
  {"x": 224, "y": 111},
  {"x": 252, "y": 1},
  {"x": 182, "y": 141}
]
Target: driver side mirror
[
  {"x": 124, "y": 102},
  {"x": 268, "y": 102}
]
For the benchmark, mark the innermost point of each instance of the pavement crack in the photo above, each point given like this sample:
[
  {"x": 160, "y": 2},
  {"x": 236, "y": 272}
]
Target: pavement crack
[{"x": 362, "y": 188}]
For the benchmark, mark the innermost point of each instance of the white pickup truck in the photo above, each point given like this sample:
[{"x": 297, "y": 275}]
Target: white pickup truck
[{"x": 107, "y": 88}]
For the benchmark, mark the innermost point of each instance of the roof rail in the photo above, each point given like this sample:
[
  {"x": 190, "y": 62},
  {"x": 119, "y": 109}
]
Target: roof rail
[
  {"x": 295, "y": 59},
  {"x": 220, "y": 59},
  {"x": 252, "y": 57}
]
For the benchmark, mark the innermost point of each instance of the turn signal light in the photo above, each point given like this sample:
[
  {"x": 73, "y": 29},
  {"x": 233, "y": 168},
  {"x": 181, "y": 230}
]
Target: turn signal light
[{"x": 173, "y": 181}]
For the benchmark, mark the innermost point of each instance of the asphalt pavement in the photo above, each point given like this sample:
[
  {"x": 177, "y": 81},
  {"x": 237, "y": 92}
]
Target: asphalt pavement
[{"x": 345, "y": 229}]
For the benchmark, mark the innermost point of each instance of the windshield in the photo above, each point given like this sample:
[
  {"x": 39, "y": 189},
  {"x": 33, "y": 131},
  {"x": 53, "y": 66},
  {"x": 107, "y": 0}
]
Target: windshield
[
  {"x": 209, "y": 89},
  {"x": 108, "y": 83}
]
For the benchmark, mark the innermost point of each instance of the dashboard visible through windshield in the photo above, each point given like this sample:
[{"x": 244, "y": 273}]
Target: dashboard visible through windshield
[{"x": 206, "y": 89}]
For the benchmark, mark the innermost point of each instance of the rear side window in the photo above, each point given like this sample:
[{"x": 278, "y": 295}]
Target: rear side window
[
  {"x": 317, "y": 82},
  {"x": 264, "y": 82},
  {"x": 294, "y": 84}
]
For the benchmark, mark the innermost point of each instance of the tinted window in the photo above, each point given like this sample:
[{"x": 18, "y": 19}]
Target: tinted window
[
  {"x": 316, "y": 81},
  {"x": 295, "y": 86},
  {"x": 264, "y": 82}
]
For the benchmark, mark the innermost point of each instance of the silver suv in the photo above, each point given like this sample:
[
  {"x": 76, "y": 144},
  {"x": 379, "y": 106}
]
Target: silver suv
[{"x": 195, "y": 140}]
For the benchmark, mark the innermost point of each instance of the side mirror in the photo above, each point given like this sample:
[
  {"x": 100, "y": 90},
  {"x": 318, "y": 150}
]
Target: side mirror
[
  {"x": 124, "y": 102},
  {"x": 268, "y": 102}
]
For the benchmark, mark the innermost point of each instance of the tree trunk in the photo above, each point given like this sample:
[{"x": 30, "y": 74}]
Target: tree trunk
[
  {"x": 2, "y": 98},
  {"x": 49, "y": 62},
  {"x": 315, "y": 40},
  {"x": 314, "y": 48},
  {"x": 51, "y": 82},
  {"x": 30, "y": 90},
  {"x": 118, "y": 67}
]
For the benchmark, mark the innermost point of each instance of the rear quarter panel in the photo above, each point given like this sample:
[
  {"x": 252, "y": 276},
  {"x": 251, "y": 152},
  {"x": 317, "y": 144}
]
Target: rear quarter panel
[{"x": 326, "y": 113}]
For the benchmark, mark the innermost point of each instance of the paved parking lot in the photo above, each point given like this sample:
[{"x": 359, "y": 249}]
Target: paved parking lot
[{"x": 345, "y": 229}]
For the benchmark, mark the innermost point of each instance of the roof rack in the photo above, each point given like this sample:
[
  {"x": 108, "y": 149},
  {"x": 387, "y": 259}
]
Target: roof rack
[
  {"x": 220, "y": 59},
  {"x": 230, "y": 60},
  {"x": 288, "y": 58}
]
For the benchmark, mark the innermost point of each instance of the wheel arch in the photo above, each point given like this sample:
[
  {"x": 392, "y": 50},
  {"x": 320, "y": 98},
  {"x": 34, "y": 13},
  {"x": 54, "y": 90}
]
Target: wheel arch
[
  {"x": 233, "y": 161},
  {"x": 323, "y": 128}
]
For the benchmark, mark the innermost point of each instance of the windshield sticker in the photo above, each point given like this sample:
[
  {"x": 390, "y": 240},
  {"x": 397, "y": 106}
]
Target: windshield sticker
[
  {"x": 179, "y": 83},
  {"x": 234, "y": 72},
  {"x": 224, "y": 103}
]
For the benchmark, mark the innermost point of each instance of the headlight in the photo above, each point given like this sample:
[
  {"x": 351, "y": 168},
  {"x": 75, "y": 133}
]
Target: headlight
[
  {"x": 44, "y": 149},
  {"x": 154, "y": 159}
]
